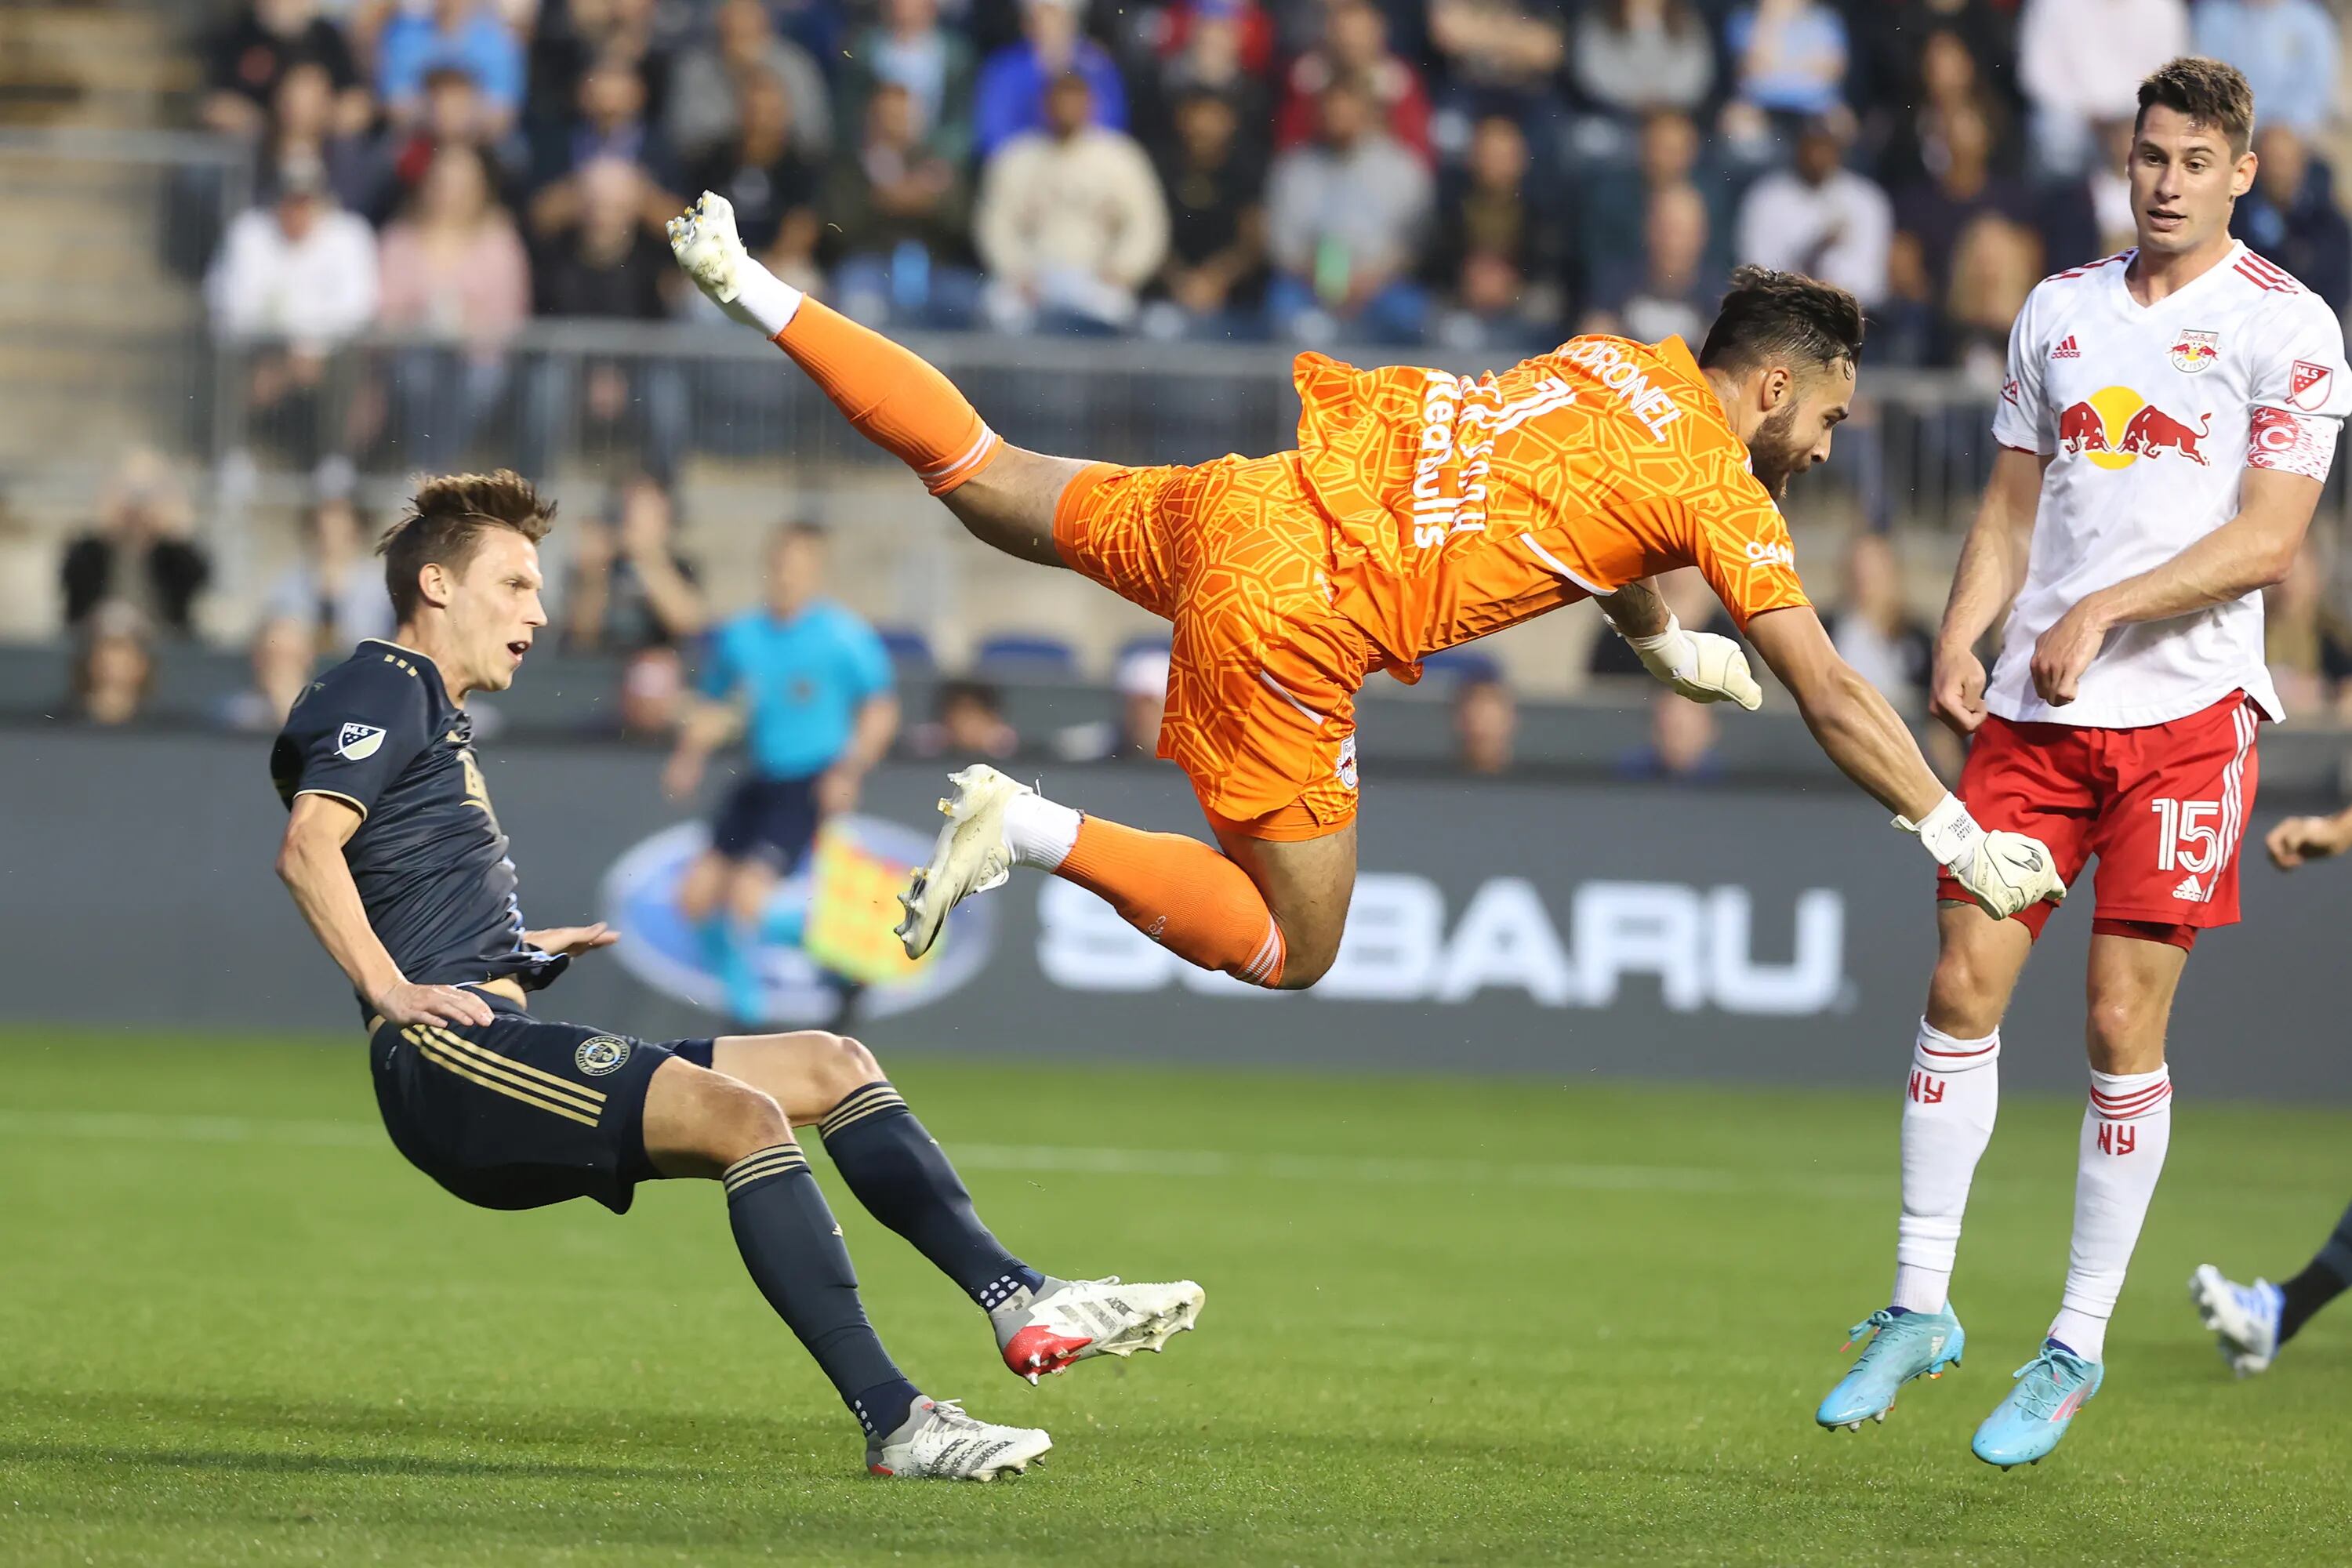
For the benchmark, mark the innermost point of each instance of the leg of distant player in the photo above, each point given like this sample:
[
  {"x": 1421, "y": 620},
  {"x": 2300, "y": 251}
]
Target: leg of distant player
[
  {"x": 706, "y": 900},
  {"x": 898, "y": 1170},
  {"x": 2254, "y": 1321},
  {"x": 1268, "y": 912}
]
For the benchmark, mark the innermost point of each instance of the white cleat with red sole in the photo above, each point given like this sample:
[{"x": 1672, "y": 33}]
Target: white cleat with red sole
[
  {"x": 939, "y": 1442},
  {"x": 1069, "y": 1320}
]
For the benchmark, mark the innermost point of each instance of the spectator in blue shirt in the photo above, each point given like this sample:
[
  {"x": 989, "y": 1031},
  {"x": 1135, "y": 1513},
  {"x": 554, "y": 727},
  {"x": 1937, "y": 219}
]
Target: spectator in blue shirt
[
  {"x": 812, "y": 686},
  {"x": 1010, "y": 97},
  {"x": 1787, "y": 59},
  {"x": 2288, "y": 49},
  {"x": 464, "y": 34}
]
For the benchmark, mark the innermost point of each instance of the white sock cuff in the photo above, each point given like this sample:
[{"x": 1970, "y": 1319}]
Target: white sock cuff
[
  {"x": 1041, "y": 832},
  {"x": 762, "y": 298},
  {"x": 1938, "y": 1052},
  {"x": 2128, "y": 1095}
]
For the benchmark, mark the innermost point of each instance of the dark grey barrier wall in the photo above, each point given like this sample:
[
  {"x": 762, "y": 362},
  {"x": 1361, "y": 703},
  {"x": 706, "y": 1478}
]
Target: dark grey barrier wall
[{"x": 1558, "y": 930}]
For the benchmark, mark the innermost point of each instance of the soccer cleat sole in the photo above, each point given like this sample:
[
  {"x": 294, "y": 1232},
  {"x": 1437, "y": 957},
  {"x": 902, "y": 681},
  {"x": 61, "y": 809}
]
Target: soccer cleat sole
[
  {"x": 919, "y": 924},
  {"x": 1014, "y": 1464}
]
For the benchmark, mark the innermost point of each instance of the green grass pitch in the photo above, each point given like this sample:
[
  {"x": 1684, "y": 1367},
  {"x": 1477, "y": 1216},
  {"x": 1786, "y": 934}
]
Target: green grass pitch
[{"x": 1448, "y": 1322}]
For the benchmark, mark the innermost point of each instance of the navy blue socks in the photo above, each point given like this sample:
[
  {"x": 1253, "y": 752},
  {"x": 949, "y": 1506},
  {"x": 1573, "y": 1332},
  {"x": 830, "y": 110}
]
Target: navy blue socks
[
  {"x": 795, "y": 1254},
  {"x": 903, "y": 1177}
]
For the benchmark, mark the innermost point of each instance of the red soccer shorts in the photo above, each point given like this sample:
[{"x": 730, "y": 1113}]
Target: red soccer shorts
[{"x": 2163, "y": 807}]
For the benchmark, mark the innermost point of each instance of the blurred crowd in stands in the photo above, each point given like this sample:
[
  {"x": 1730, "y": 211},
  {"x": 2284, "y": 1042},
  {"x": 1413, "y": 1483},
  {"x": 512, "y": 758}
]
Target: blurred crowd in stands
[
  {"x": 1477, "y": 173},
  {"x": 1473, "y": 175}
]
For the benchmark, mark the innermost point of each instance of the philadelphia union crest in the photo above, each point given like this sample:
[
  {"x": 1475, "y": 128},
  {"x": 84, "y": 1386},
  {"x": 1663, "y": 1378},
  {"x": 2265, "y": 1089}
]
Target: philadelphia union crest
[{"x": 601, "y": 1054}]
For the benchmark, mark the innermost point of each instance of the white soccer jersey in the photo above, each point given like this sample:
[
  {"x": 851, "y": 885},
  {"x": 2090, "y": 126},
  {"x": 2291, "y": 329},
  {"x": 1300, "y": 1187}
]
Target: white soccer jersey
[{"x": 2151, "y": 414}]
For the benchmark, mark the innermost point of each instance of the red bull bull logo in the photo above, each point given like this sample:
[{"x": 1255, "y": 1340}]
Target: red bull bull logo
[{"x": 2115, "y": 426}]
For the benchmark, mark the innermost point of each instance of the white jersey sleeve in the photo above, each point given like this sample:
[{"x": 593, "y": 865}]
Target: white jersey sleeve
[
  {"x": 2024, "y": 419},
  {"x": 2302, "y": 389}
]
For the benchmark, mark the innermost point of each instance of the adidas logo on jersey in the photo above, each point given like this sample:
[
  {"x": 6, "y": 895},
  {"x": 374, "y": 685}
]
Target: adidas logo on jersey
[
  {"x": 2190, "y": 890},
  {"x": 2066, "y": 350}
]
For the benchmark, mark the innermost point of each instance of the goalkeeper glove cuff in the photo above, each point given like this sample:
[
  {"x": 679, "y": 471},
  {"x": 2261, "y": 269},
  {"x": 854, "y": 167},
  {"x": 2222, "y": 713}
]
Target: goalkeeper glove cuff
[{"x": 1950, "y": 834}]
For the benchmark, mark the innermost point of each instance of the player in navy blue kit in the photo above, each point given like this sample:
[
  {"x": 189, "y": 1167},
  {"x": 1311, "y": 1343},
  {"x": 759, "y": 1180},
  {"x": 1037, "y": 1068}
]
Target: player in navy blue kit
[{"x": 393, "y": 853}]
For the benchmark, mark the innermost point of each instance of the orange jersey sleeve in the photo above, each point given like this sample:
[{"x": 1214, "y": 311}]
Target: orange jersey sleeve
[{"x": 1460, "y": 506}]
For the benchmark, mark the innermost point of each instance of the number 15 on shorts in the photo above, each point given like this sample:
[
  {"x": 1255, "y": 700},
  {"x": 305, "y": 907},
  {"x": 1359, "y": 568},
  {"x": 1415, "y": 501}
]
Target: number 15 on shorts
[{"x": 2189, "y": 835}]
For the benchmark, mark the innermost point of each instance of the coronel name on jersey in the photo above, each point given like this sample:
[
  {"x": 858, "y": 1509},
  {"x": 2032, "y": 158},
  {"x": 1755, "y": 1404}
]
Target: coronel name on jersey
[{"x": 1618, "y": 371}]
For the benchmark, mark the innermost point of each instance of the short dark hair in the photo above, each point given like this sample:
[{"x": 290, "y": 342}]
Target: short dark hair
[
  {"x": 2210, "y": 93},
  {"x": 446, "y": 523},
  {"x": 802, "y": 529},
  {"x": 1782, "y": 315},
  {"x": 963, "y": 688}
]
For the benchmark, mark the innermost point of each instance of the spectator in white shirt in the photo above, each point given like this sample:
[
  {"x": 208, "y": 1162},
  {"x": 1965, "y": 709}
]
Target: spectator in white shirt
[
  {"x": 2081, "y": 62},
  {"x": 293, "y": 280},
  {"x": 1071, "y": 221},
  {"x": 1820, "y": 219}
]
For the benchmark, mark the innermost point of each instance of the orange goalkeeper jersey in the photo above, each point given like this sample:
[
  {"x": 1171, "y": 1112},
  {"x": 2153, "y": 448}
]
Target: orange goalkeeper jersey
[{"x": 1460, "y": 506}]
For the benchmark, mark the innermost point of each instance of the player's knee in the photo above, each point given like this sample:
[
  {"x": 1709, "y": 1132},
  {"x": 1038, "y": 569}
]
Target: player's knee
[
  {"x": 843, "y": 1066},
  {"x": 2124, "y": 1035},
  {"x": 1963, "y": 995},
  {"x": 736, "y": 1120},
  {"x": 1306, "y": 960}
]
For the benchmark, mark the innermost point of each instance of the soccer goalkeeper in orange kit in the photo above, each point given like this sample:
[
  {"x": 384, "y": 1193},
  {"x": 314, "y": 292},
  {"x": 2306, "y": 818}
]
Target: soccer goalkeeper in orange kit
[{"x": 1420, "y": 509}]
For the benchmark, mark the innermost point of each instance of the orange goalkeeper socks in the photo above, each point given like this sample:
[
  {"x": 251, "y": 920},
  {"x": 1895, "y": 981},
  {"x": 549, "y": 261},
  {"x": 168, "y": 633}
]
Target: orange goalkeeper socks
[
  {"x": 896, "y": 399},
  {"x": 1181, "y": 894}
]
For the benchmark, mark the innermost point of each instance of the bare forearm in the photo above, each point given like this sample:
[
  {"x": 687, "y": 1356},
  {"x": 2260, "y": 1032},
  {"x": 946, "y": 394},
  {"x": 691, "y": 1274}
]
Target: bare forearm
[
  {"x": 675, "y": 602},
  {"x": 2239, "y": 558},
  {"x": 1859, "y": 732},
  {"x": 877, "y": 721},
  {"x": 316, "y": 875},
  {"x": 1991, "y": 570},
  {"x": 1635, "y": 610}
]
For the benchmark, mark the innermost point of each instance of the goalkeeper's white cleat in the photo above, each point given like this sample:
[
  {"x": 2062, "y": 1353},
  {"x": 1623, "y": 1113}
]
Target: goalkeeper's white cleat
[
  {"x": 703, "y": 239},
  {"x": 2244, "y": 1318},
  {"x": 972, "y": 855},
  {"x": 1067, "y": 1322},
  {"x": 939, "y": 1442}
]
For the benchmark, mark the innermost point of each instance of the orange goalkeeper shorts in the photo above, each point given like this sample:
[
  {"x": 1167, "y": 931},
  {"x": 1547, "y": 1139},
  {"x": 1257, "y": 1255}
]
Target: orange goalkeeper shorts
[{"x": 1264, "y": 672}]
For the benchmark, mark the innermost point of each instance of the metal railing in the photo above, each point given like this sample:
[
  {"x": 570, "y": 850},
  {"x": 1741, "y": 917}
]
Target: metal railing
[{"x": 606, "y": 398}]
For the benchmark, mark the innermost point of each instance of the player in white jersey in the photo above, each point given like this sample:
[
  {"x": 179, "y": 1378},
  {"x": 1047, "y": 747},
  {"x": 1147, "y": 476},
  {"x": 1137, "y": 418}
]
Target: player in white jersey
[{"x": 2167, "y": 424}]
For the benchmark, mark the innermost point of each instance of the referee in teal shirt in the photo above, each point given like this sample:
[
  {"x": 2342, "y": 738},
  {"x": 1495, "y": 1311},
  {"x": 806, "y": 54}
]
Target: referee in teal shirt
[{"x": 811, "y": 686}]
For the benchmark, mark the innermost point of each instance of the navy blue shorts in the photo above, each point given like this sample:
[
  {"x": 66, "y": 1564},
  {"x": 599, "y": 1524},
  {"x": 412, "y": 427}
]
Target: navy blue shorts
[
  {"x": 517, "y": 1114},
  {"x": 773, "y": 821}
]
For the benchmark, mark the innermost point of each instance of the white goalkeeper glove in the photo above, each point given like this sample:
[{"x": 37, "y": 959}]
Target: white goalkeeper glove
[
  {"x": 703, "y": 239},
  {"x": 1698, "y": 665},
  {"x": 2004, "y": 874}
]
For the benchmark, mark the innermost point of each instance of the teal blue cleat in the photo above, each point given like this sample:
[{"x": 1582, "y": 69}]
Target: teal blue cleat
[
  {"x": 1902, "y": 1347},
  {"x": 2024, "y": 1428}
]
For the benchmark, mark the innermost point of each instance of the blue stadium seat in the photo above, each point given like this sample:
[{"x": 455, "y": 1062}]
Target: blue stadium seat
[
  {"x": 906, "y": 646},
  {"x": 1019, "y": 655},
  {"x": 1138, "y": 645}
]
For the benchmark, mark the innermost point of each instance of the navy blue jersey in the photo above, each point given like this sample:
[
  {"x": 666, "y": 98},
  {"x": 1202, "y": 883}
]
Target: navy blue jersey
[{"x": 379, "y": 732}]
